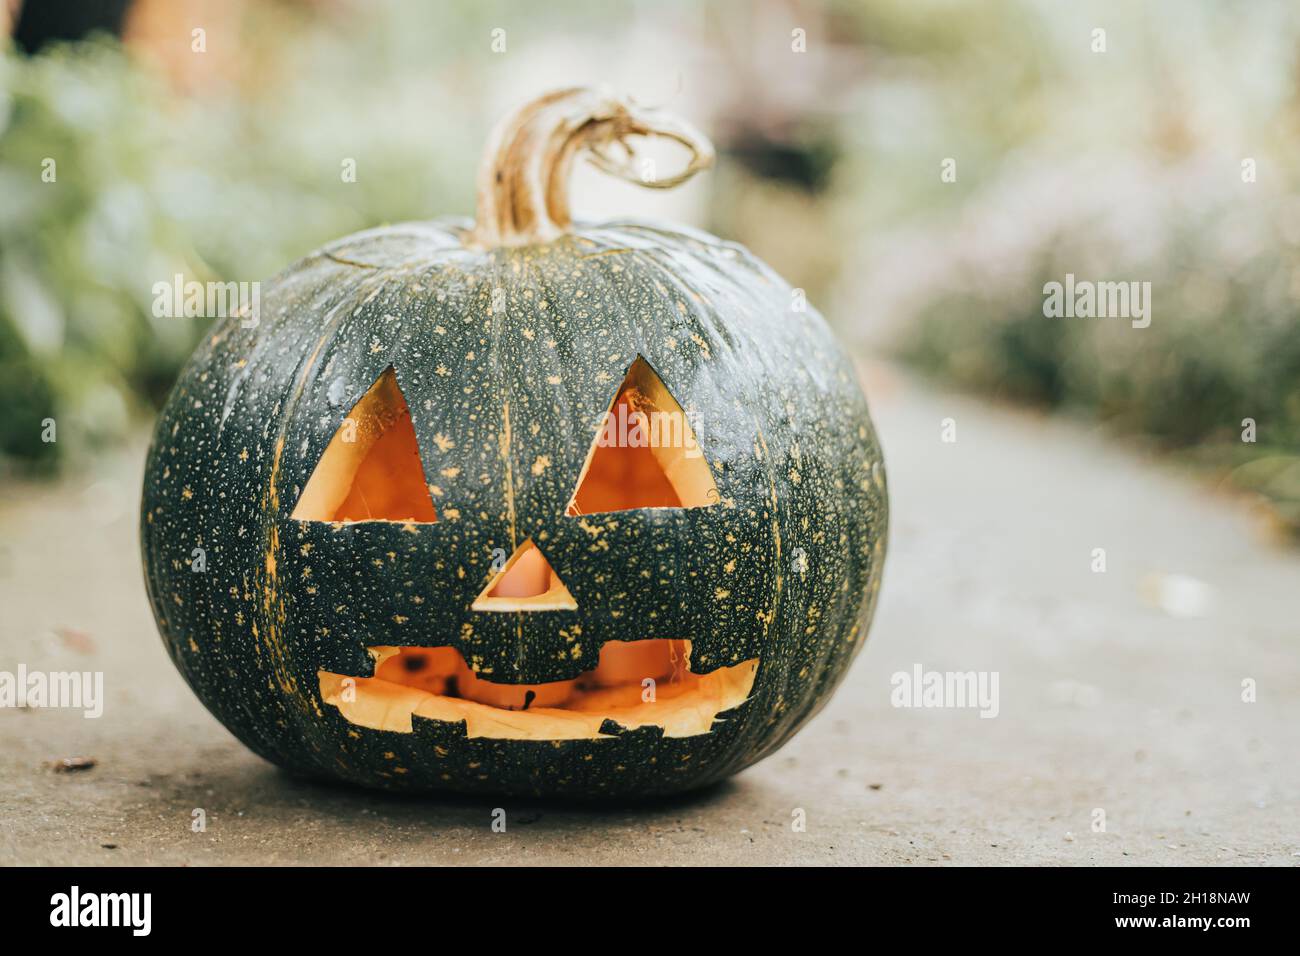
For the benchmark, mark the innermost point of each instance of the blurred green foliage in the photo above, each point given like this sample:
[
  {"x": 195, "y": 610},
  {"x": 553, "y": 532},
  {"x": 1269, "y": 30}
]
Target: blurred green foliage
[
  {"x": 111, "y": 181},
  {"x": 1171, "y": 156},
  {"x": 81, "y": 231}
]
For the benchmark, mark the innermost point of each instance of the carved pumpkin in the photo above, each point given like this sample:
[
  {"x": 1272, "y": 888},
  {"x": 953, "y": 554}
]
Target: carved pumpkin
[{"x": 520, "y": 506}]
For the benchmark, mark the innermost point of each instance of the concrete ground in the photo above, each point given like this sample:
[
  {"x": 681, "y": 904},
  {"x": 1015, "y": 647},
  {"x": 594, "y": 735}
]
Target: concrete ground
[{"x": 1120, "y": 693}]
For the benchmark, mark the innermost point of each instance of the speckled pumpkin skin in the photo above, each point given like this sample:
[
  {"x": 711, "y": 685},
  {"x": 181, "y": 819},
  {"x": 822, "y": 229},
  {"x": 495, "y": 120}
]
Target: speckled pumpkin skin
[{"x": 505, "y": 399}]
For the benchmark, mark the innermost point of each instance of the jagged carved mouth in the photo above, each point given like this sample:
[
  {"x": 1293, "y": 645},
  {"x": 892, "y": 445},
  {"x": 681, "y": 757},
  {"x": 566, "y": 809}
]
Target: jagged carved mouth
[{"x": 635, "y": 684}]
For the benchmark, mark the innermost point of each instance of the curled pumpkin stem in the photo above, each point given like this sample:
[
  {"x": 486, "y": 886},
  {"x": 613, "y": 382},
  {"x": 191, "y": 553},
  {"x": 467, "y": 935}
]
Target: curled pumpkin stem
[{"x": 523, "y": 185}]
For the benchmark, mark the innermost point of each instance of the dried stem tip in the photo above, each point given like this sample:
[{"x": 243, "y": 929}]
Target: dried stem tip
[{"x": 523, "y": 184}]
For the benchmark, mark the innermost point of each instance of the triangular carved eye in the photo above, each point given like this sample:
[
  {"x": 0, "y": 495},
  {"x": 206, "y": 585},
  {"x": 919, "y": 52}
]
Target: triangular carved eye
[
  {"x": 645, "y": 454},
  {"x": 371, "y": 468}
]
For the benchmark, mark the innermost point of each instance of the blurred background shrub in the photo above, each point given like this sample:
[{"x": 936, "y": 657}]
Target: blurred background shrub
[{"x": 833, "y": 119}]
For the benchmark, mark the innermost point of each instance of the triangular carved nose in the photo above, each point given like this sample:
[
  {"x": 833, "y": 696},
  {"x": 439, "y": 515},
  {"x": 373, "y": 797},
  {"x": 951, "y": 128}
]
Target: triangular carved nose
[{"x": 527, "y": 582}]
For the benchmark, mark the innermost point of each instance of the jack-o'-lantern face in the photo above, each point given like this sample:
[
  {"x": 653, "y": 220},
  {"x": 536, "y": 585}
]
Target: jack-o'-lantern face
[
  {"x": 528, "y": 506},
  {"x": 644, "y": 456}
]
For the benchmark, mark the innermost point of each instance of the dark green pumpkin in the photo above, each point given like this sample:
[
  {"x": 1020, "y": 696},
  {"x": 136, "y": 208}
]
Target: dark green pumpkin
[{"x": 508, "y": 341}]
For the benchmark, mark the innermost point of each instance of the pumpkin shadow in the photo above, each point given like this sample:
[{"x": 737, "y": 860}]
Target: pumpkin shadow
[
  {"x": 265, "y": 815},
  {"x": 524, "y": 809}
]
